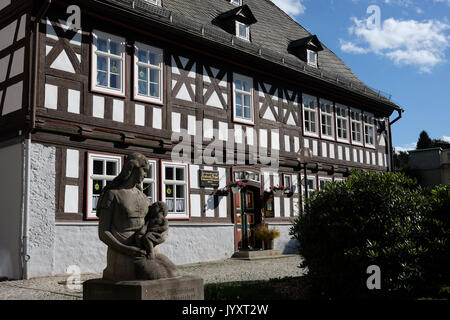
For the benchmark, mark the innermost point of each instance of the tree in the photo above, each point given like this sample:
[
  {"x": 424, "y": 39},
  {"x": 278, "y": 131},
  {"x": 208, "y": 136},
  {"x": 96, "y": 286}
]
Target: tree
[{"x": 424, "y": 141}]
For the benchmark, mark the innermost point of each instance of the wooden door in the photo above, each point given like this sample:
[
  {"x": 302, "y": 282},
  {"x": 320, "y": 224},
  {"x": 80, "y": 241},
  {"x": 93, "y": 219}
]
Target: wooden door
[{"x": 245, "y": 219}]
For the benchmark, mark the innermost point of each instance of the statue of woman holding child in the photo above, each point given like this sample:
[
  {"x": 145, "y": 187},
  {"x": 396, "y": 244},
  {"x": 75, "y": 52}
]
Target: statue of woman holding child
[{"x": 131, "y": 227}]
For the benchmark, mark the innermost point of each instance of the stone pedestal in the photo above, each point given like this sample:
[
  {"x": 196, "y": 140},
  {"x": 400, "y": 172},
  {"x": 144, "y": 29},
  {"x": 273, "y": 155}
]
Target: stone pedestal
[{"x": 178, "y": 288}]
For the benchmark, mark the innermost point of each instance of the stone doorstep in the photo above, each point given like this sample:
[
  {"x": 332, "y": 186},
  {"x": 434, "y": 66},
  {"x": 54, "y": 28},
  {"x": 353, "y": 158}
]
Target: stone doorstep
[
  {"x": 178, "y": 288},
  {"x": 260, "y": 254}
]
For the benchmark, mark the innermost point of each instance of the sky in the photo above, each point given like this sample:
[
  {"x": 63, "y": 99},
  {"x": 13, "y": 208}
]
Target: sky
[{"x": 401, "y": 47}]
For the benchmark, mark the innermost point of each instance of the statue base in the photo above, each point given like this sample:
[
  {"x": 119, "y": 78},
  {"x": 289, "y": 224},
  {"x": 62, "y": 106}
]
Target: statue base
[{"x": 178, "y": 288}]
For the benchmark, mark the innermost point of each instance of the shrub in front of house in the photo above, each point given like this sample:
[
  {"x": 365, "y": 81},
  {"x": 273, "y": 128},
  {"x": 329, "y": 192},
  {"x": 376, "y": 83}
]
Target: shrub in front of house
[{"x": 368, "y": 219}]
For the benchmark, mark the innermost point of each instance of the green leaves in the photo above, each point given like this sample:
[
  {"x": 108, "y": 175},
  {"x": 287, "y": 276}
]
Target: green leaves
[{"x": 372, "y": 218}]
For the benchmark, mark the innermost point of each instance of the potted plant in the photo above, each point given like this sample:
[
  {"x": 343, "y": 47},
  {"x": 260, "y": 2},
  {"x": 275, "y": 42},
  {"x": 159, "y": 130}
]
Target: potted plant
[
  {"x": 267, "y": 236},
  {"x": 278, "y": 190},
  {"x": 235, "y": 187}
]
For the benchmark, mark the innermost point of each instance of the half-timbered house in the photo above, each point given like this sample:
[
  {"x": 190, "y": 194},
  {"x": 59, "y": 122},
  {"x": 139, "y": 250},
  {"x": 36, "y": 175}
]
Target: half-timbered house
[{"x": 84, "y": 83}]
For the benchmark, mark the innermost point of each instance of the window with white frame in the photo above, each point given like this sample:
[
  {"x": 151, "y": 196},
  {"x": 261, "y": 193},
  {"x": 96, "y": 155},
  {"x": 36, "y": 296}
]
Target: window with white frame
[
  {"x": 148, "y": 185},
  {"x": 108, "y": 63},
  {"x": 323, "y": 182},
  {"x": 310, "y": 115},
  {"x": 243, "y": 101},
  {"x": 312, "y": 185},
  {"x": 312, "y": 58},
  {"x": 369, "y": 129},
  {"x": 175, "y": 189},
  {"x": 236, "y": 2},
  {"x": 327, "y": 118},
  {"x": 287, "y": 181},
  {"x": 356, "y": 125},
  {"x": 155, "y": 2},
  {"x": 148, "y": 73},
  {"x": 342, "y": 123},
  {"x": 242, "y": 31},
  {"x": 101, "y": 170}
]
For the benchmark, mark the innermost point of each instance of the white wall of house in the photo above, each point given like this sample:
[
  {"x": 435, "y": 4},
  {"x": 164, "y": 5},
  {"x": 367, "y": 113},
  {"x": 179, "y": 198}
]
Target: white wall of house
[
  {"x": 284, "y": 242},
  {"x": 11, "y": 173}
]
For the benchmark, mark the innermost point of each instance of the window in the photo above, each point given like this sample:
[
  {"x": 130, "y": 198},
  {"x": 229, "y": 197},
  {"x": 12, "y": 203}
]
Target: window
[
  {"x": 312, "y": 185},
  {"x": 148, "y": 185},
  {"x": 356, "y": 124},
  {"x": 312, "y": 58},
  {"x": 108, "y": 63},
  {"x": 310, "y": 115},
  {"x": 155, "y": 2},
  {"x": 342, "y": 123},
  {"x": 369, "y": 130},
  {"x": 236, "y": 2},
  {"x": 243, "y": 102},
  {"x": 323, "y": 182},
  {"x": 101, "y": 170},
  {"x": 148, "y": 73},
  {"x": 327, "y": 118},
  {"x": 287, "y": 180},
  {"x": 175, "y": 185},
  {"x": 242, "y": 31}
]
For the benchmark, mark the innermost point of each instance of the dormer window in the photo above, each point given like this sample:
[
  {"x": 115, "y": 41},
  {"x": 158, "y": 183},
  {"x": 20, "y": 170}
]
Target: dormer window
[
  {"x": 236, "y": 2},
  {"x": 312, "y": 58},
  {"x": 155, "y": 2},
  {"x": 306, "y": 49},
  {"x": 242, "y": 31},
  {"x": 236, "y": 21}
]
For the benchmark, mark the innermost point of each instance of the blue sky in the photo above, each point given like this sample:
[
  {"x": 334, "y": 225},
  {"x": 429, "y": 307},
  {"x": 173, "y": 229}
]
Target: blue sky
[{"x": 407, "y": 54}]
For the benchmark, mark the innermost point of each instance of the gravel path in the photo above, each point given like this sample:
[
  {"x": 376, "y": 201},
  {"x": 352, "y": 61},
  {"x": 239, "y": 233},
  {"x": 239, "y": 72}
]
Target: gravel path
[{"x": 231, "y": 270}]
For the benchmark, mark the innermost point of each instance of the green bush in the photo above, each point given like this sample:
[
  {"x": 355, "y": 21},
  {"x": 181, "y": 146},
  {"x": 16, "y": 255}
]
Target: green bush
[{"x": 373, "y": 219}]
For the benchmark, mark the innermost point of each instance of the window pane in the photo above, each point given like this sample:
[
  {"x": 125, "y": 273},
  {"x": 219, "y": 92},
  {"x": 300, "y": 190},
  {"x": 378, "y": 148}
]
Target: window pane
[
  {"x": 180, "y": 191},
  {"x": 180, "y": 174},
  {"x": 242, "y": 31},
  {"x": 170, "y": 206},
  {"x": 101, "y": 45},
  {"x": 247, "y": 101},
  {"x": 101, "y": 63},
  {"x": 169, "y": 173},
  {"x": 247, "y": 114},
  {"x": 246, "y": 86},
  {"x": 180, "y": 205},
  {"x": 101, "y": 78},
  {"x": 142, "y": 73},
  {"x": 148, "y": 190},
  {"x": 154, "y": 76},
  {"x": 154, "y": 59},
  {"x": 114, "y": 48},
  {"x": 111, "y": 168},
  {"x": 142, "y": 56},
  {"x": 169, "y": 191},
  {"x": 237, "y": 84},
  {"x": 98, "y": 167},
  {"x": 239, "y": 111},
  {"x": 154, "y": 90},
  {"x": 114, "y": 66},
  {"x": 142, "y": 87},
  {"x": 97, "y": 186},
  {"x": 150, "y": 172},
  {"x": 114, "y": 81}
]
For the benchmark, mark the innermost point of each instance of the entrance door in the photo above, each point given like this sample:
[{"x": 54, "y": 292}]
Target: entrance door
[{"x": 245, "y": 219}]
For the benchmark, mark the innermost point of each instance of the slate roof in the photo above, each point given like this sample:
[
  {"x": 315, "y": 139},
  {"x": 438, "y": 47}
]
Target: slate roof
[{"x": 270, "y": 36}]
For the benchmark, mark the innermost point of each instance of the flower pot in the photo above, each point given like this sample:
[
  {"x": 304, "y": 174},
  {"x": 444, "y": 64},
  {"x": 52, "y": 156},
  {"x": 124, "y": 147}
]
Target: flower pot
[
  {"x": 235, "y": 189},
  {"x": 268, "y": 244}
]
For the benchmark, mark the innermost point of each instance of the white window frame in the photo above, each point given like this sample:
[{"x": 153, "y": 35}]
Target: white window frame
[
  {"x": 96, "y": 34},
  {"x": 342, "y": 118},
  {"x": 360, "y": 122},
  {"x": 159, "y": 52},
  {"x": 367, "y": 128},
  {"x": 91, "y": 214},
  {"x": 164, "y": 182},
  {"x": 247, "y": 31},
  {"x": 328, "y": 116},
  {"x": 310, "y": 110},
  {"x": 236, "y": 2},
  {"x": 244, "y": 93},
  {"x": 316, "y": 55},
  {"x": 151, "y": 180},
  {"x": 324, "y": 179},
  {"x": 155, "y": 2}
]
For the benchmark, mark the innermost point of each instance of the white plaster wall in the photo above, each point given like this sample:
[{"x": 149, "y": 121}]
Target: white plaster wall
[
  {"x": 284, "y": 242},
  {"x": 41, "y": 223},
  {"x": 11, "y": 170},
  {"x": 188, "y": 244},
  {"x": 79, "y": 245}
]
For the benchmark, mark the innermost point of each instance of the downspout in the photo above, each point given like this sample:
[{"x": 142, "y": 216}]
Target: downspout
[
  {"x": 27, "y": 141},
  {"x": 391, "y": 151}
]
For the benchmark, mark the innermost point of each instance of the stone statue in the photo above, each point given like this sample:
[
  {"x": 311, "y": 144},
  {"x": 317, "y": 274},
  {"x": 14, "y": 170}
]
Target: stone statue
[{"x": 132, "y": 227}]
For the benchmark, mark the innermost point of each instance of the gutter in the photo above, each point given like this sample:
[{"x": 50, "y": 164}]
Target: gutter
[
  {"x": 27, "y": 141},
  {"x": 391, "y": 150}
]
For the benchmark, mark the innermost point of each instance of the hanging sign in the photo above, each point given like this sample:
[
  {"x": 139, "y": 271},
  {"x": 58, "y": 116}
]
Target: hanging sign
[{"x": 209, "y": 178}]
